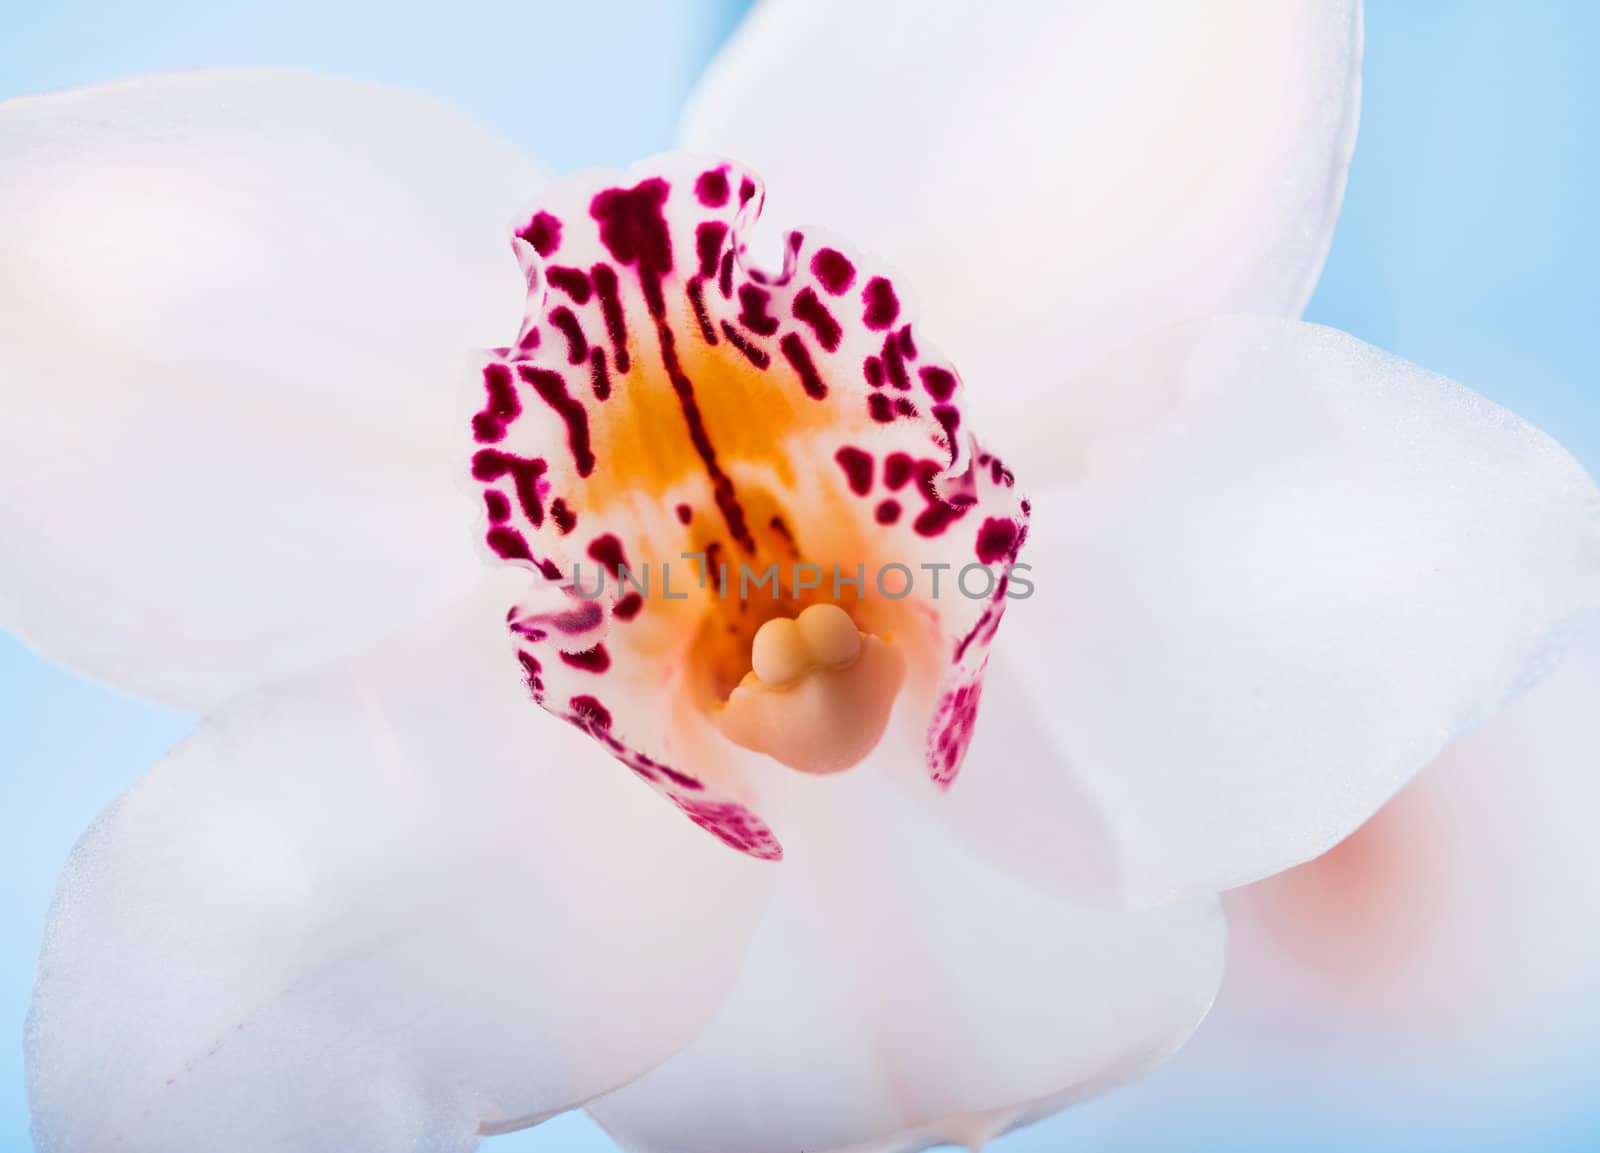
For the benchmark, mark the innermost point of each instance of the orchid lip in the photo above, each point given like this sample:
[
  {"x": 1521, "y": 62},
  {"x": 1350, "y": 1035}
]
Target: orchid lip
[{"x": 663, "y": 399}]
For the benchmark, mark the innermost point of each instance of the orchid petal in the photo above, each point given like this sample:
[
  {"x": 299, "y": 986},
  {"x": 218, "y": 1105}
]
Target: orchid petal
[
  {"x": 1429, "y": 982},
  {"x": 235, "y": 311},
  {"x": 664, "y": 400},
  {"x": 900, "y": 995},
  {"x": 1290, "y": 570},
  {"x": 1054, "y": 178},
  {"x": 387, "y": 906}
]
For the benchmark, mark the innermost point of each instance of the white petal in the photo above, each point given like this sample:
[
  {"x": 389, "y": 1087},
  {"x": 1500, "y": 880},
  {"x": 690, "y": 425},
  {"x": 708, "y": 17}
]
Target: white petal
[
  {"x": 1053, "y": 178},
  {"x": 1429, "y": 984},
  {"x": 1290, "y": 570},
  {"x": 900, "y": 995},
  {"x": 378, "y": 908},
  {"x": 236, "y": 309}
]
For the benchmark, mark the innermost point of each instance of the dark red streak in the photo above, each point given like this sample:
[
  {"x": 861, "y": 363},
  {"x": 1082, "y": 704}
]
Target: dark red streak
[
  {"x": 697, "y": 299},
  {"x": 599, "y": 375},
  {"x": 810, "y": 309},
  {"x": 552, "y": 389},
  {"x": 577, "y": 345},
  {"x": 571, "y": 281},
  {"x": 634, "y": 231},
  {"x": 754, "y": 355},
  {"x": 799, "y": 357},
  {"x": 595, "y": 660},
  {"x": 605, "y": 286}
]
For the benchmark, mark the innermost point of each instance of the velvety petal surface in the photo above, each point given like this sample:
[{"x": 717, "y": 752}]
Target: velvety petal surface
[
  {"x": 388, "y": 906},
  {"x": 1427, "y": 984},
  {"x": 900, "y": 994},
  {"x": 1053, "y": 178},
  {"x": 1287, "y": 570},
  {"x": 235, "y": 312}
]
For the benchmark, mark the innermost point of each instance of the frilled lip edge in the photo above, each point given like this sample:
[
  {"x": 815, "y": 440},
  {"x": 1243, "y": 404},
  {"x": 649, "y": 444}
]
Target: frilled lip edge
[{"x": 636, "y": 284}]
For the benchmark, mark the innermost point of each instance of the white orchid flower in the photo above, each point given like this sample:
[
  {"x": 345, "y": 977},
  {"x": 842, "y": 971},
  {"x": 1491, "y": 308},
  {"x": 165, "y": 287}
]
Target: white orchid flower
[{"x": 383, "y": 899}]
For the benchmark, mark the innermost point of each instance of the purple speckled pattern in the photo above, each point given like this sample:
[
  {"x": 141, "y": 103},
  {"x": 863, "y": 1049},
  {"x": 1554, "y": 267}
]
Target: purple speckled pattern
[{"x": 635, "y": 285}]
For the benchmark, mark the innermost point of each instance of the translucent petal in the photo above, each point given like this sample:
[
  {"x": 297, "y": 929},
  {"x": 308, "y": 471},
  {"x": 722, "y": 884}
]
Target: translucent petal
[
  {"x": 387, "y": 906},
  {"x": 900, "y": 995},
  {"x": 1428, "y": 984},
  {"x": 235, "y": 310},
  {"x": 1290, "y": 568},
  {"x": 1054, "y": 178}
]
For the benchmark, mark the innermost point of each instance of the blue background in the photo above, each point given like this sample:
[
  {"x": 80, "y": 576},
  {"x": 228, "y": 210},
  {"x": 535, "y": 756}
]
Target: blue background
[{"x": 1467, "y": 244}]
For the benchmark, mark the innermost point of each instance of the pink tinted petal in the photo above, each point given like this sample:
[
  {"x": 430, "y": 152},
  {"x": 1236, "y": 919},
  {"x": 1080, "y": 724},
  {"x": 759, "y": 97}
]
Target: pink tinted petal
[
  {"x": 1055, "y": 178},
  {"x": 1428, "y": 984},
  {"x": 665, "y": 399},
  {"x": 386, "y": 906}
]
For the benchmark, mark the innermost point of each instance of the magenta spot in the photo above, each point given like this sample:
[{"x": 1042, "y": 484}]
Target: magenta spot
[
  {"x": 682, "y": 780},
  {"x": 733, "y": 825},
  {"x": 508, "y": 543},
  {"x": 606, "y": 550},
  {"x": 531, "y": 671},
  {"x": 949, "y": 418},
  {"x": 497, "y": 504},
  {"x": 544, "y": 233},
  {"x": 908, "y": 346},
  {"x": 882, "y": 306},
  {"x": 577, "y": 346},
  {"x": 697, "y": 300},
  {"x": 605, "y": 286},
  {"x": 635, "y": 232},
  {"x": 552, "y": 389},
  {"x": 833, "y": 270},
  {"x": 712, "y": 187},
  {"x": 747, "y": 189},
  {"x": 939, "y": 383},
  {"x": 897, "y": 470},
  {"x": 799, "y": 357},
  {"x": 809, "y": 309},
  {"x": 894, "y": 365},
  {"x": 575, "y": 621},
  {"x": 753, "y": 310},
  {"x": 754, "y": 355},
  {"x": 937, "y": 517},
  {"x": 878, "y": 408},
  {"x": 685, "y": 514},
  {"x": 599, "y": 375},
  {"x": 566, "y": 520},
  {"x": 571, "y": 281},
  {"x": 595, "y": 660},
  {"x": 590, "y": 712},
  {"x": 996, "y": 538},
  {"x": 491, "y": 464},
  {"x": 708, "y": 239},
  {"x": 887, "y": 512},
  {"x": 872, "y": 369},
  {"x": 628, "y": 607},
  {"x": 502, "y": 407},
  {"x": 857, "y": 466}
]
